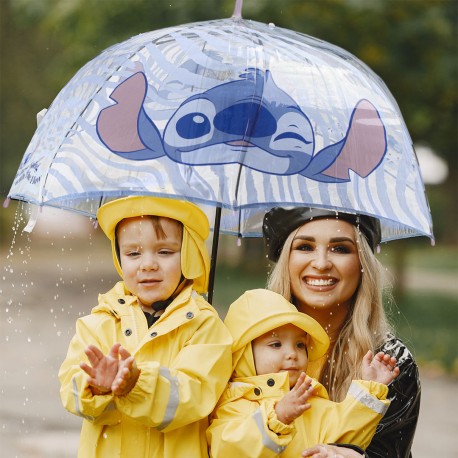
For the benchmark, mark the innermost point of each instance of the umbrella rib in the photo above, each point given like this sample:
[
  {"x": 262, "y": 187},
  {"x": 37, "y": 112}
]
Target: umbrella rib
[{"x": 85, "y": 108}]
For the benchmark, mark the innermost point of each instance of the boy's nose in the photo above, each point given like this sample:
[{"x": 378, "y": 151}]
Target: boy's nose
[{"x": 149, "y": 263}]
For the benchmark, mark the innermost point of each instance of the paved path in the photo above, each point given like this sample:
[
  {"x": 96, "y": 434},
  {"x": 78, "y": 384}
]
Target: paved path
[{"x": 43, "y": 288}]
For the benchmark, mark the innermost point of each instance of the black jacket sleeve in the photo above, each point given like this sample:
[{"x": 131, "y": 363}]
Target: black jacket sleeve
[
  {"x": 395, "y": 432},
  {"x": 394, "y": 435}
]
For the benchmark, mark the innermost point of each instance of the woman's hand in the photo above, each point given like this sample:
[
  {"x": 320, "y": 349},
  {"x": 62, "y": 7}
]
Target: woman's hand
[{"x": 330, "y": 451}]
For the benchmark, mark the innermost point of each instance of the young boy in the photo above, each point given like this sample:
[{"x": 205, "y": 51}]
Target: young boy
[
  {"x": 159, "y": 356},
  {"x": 268, "y": 409}
]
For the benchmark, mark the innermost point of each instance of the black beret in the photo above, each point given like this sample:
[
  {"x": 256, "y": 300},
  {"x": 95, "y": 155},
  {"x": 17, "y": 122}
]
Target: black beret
[{"x": 279, "y": 222}]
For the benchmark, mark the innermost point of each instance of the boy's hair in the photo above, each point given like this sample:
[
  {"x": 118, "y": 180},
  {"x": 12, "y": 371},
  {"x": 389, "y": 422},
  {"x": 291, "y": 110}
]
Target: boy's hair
[
  {"x": 195, "y": 261},
  {"x": 158, "y": 229}
]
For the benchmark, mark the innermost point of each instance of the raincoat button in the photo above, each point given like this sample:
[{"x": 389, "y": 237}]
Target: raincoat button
[
  {"x": 271, "y": 382},
  {"x": 257, "y": 391},
  {"x": 153, "y": 334},
  {"x": 189, "y": 315},
  {"x": 121, "y": 301},
  {"x": 128, "y": 332}
]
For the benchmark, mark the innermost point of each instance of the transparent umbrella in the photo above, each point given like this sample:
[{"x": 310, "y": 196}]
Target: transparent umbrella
[{"x": 234, "y": 114}]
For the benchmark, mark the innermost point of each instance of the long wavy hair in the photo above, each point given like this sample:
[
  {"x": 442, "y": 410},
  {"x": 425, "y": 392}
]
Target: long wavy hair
[{"x": 366, "y": 325}]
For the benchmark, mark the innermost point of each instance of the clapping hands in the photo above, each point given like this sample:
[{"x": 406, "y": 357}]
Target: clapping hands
[{"x": 115, "y": 372}]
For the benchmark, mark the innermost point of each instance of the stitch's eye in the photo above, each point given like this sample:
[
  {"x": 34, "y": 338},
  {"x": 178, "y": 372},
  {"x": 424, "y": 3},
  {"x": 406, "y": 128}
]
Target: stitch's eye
[{"x": 193, "y": 125}]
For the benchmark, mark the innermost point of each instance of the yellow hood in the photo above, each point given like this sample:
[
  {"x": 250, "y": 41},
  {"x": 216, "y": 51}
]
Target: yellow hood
[
  {"x": 195, "y": 261},
  {"x": 259, "y": 311}
]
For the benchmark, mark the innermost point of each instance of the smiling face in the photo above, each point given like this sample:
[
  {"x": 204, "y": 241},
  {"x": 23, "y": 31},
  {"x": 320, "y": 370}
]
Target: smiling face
[
  {"x": 280, "y": 350},
  {"x": 150, "y": 257},
  {"x": 324, "y": 266}
]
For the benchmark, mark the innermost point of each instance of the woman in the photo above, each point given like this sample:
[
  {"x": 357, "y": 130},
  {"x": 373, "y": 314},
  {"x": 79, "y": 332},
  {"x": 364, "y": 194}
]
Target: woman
[{"x": 325, "y": 265}]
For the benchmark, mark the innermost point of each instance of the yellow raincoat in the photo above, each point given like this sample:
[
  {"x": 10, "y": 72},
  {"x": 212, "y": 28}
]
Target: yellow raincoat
[
  {"x": 185, "y": 362},
  {"x": 244, "y": 423}
]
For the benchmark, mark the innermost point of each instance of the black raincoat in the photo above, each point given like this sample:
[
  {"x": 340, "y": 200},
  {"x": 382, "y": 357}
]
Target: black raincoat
[{"x": 395, "y": 432}]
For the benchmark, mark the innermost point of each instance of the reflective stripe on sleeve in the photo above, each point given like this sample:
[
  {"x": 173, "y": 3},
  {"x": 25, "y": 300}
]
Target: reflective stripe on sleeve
[
  {"x": 367, "y": 399},
  {"x": 266, "y": 440},
  {"x": 77, "y": 401},
  {"x": 174, "y": 398}
]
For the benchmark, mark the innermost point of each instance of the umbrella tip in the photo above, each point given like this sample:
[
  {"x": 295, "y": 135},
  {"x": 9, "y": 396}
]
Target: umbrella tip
[
  {"x": 237, "y": 14},
  {"x": 6, "y": 202}
]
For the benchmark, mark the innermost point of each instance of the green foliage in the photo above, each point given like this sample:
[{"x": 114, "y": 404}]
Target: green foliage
[
  {"x": 427, "y": 323},
  {"x": 411, "y": 44}
]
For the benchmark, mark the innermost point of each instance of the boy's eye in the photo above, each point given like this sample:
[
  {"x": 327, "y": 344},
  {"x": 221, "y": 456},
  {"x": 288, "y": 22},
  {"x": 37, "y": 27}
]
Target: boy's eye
[
  {"x": 166, "y": 252},
  {"x": 301, "y": 345},
  {"x": 275, "y": 344},
  {"x": 133, "y": 253}
]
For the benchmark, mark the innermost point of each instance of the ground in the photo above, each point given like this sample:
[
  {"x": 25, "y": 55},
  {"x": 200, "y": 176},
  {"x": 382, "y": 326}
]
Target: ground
[{"x": 44, "y": 287}]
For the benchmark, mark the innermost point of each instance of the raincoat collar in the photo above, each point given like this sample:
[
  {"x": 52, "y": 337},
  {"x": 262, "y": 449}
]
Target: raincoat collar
[{"x": 119, "y": 299}]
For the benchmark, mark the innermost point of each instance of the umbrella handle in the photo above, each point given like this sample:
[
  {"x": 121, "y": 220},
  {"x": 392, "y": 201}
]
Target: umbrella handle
[{"x": 211, "y": 278}]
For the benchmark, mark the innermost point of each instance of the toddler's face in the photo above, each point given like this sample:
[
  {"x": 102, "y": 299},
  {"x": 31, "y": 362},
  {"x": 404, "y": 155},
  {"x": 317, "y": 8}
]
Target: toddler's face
[
  {"x": 151, "y": 264},
  {"x": 282, "y": 349}
]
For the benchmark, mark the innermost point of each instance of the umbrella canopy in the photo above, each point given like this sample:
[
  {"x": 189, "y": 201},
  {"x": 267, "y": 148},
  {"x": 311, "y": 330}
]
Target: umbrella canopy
[{"x": 231, "y": 113}]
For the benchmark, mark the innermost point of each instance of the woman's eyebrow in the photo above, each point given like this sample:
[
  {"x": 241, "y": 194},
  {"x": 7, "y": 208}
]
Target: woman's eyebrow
[
  {"x": 332, "y": 240},
  {"x": 341, "y": 239}
]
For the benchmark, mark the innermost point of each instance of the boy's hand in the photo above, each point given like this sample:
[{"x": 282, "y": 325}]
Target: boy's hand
[
  {"x": 294, "y": 403},
  {"x": 102, "y": 369},
  {"x": 127, "y": 374},
  {"x": 382, "y": 368}
]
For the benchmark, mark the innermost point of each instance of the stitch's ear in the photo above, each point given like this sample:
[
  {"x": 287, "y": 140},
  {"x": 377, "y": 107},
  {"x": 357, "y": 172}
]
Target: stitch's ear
[
  {"x": 361, "y": 150},
  {"x": 125, "y": 128},
  {"x": 364, "y": 146}
]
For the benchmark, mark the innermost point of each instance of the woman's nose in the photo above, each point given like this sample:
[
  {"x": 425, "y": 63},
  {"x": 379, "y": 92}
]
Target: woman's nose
[{"x": 321, "y": 260}]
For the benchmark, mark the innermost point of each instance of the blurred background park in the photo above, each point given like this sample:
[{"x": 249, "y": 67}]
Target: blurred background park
[{"x": 53, "y": 275}]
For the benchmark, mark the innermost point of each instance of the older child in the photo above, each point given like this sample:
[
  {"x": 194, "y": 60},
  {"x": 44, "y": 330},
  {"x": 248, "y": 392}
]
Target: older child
[
  {"x": 158, "y": 355},
  {"x": 264, "y": 411}
]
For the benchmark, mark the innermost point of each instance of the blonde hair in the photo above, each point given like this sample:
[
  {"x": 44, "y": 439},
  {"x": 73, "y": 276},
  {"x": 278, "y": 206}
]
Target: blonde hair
[{"x": 366, "y": 325}]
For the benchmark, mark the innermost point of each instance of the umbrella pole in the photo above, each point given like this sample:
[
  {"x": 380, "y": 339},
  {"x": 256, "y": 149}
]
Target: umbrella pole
[{"x": 211, "y": 279}]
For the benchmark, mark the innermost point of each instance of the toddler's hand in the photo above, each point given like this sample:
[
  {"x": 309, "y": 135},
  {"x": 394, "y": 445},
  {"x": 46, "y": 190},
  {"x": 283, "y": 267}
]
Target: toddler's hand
[
  {"x": 294, "y": 403},
  {"x": 102, "y": 369},
  {"x": 382, "y": 368}
]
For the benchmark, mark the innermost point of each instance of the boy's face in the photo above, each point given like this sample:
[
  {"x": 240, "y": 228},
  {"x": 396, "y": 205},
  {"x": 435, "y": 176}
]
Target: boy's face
[
  {"x": 151, "y": 264},
  {"x": 282, "y": 349}
]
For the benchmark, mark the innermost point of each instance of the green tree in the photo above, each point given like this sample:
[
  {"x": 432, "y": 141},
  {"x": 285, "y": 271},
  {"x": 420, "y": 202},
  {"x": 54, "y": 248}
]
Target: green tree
[{"x": 410, "y": 44}]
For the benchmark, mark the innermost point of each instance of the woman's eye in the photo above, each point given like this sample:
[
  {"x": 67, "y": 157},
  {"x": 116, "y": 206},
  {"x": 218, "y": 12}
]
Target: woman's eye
[
  {"x": 304, "y": 247},
  {"x": 340, "y": 249}
]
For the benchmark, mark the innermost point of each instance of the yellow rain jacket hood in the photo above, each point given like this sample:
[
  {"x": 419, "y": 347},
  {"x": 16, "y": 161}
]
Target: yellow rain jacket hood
[
  {"x": 259, "y": 311},
  {"x": 195, "y": 261}
]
